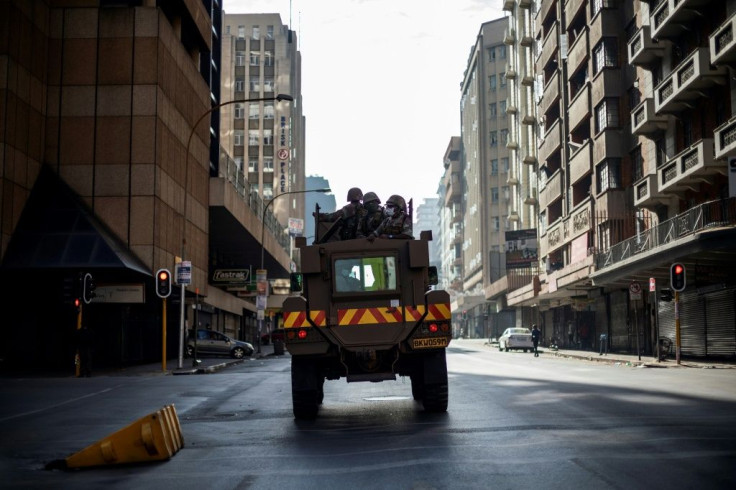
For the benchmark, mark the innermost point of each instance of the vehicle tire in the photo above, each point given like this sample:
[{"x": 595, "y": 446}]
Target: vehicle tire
[
  {"x": 435, "y": 398},
  {"x": 306, "y": 389},
  {"x": 238, "y": 353},
  {"x": 417, "y": 386},
  {"x": 434, "y": 393},
  {"x": 526, "y": 350}
]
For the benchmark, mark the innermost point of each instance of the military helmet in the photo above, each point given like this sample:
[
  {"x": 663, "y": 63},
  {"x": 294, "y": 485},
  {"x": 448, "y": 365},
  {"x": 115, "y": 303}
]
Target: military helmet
[
  {"x": 397, "y": 200},
  {"x": 370, "y": 197},
  {"x": 355, "y": 194}
]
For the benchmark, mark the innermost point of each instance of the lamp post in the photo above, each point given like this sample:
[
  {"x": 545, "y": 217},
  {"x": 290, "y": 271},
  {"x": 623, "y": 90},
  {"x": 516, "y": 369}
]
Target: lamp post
[
  {"x": 262, "y": 272},
  {"x": 278, "y": 98}
]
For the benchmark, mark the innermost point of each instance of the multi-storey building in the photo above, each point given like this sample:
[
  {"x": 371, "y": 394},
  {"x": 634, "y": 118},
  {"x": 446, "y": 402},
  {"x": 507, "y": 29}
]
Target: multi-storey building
[
  {"x": 264, "y": 138},
  {"x": 451, "y": 200},
  {"x": 426, "y": 218},
  {"x": 326, "y": 202}
]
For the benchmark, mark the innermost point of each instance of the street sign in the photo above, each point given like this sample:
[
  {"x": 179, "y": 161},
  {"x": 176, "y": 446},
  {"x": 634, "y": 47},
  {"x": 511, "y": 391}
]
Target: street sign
[
  {"x": 184, "y": 273},
  {"x": 635, "y": 291}
]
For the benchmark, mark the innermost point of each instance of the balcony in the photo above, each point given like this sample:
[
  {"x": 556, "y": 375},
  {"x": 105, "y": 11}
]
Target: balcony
[
  {"x": 511, "y": 106},
  {"x": 689, "y": 168},
  {"x": 552, "y": 191},
  {"x": 509, "y": 35},
  {"x": 672, "y": 17},
  {"x": 544, "y": 10},
  {"x": 644, "y": 121},
  {"x": 609, "y": 143},
  {"x": 578, "y": 53},
  {"x": 551, "y": 94},
  {"x": 606, "y": 83},
  {"x": 581, "y": 220},
  {"x": 643, "y": 51},
  {"x": 508, "y": 5},
  {"x": 647, "y": 194},
  {"x": 685, "y": 84},
  {"x": 572, "y": 7},
  {"x": 510, "y": 70},
  {"x": 723, "y": 43},
  {"x": 580, "y": 107},
  {"x": 549, "y": 48},
  {"x": 554, "y": 237},
  {"x": 725, "y": 137},
  {"x": 581, "y": 163},
  {"x": 512, "y": 143},
  {"x": 525, "y": 4},
  {"x": 551, "y": 142}
]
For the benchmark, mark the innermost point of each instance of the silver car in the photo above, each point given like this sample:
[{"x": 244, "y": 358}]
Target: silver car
[
  {"x": 217, "y": 344},
  {"x": 516, "y": 338}
]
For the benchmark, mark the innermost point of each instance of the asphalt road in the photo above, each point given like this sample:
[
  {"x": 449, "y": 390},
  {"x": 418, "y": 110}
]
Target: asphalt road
[{"x": 514, "y": 421}]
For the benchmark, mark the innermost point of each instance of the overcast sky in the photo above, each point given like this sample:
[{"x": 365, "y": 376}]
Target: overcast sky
[{"x": 381, "y": 86}]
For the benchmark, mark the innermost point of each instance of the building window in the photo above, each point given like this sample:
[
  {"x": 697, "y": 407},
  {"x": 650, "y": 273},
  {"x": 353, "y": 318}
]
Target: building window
[
  {"x": 255, "y": 84},
  {"x": 502, "y": 76},
  {"x": 491, "y": 55},
  {"x": 238, "y": 162},
  {"x": 502, "y": 52},
  {"x": 606, "y": 114},
  {"x": 502, "y": 107},
  {"x": 239, "y": 111},
  {"x": 256, "y": 33},
  {"x": 227, "y": 30},
  {"x": 492, "y": 109},
  {"x": 494, "y": 139},
  {"x": 598, "y": 5},
  {"x": 253, "y": 111},
  {"x": 267, "y": 190},
  {"x": 605, "y": 55},
  {"x": 253, "y": 165},
  {"x": 504, "y": 136},
  {"x": 238, "y": 137},
  {"x": 608, "y": 174},
  {"x": 687, "y": 131},
  {"x": 267, "y": 137},
  {"x": 269, "y": 32},
  {"x": 268, "y": 110},
  {"x": 505, "y": 165},
  {"x": 637, "y": 164},
  {"x": 267, "y": 164},
  {"x": 492, "y": 82},
  {"x": 506, "y": 192},
  {"x": 239, "y": 58},
  {"x": 494, "y": 195},
  {"x": 494, "y": 167},
  {"x": 253, "y": 137},
  {"x": 241, "y": 32},
  {"x": 268, "y": 85},
  {"x": 496, "y": 223},
  {"x": 661, "y": 152},
  {"x": 255, "y": 58},
  {"x": 268, "y": 58},
  {"x": 239, "y": 84}
]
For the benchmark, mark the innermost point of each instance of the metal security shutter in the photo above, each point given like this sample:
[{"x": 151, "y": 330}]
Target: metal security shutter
[
  {"x": 721, "y": 323},
  {"x": 667, "y": 320},
  {"x": 692, "y": 324}
]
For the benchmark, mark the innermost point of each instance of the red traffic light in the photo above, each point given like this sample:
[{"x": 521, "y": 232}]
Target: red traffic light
[
  {"x": 163, "y": 283},
  {"x": 677, "y": 277},
  {"x": 76, "y": 302},
  {"x": 679, "y": 268},
  {"x": 163, "y": 275}
]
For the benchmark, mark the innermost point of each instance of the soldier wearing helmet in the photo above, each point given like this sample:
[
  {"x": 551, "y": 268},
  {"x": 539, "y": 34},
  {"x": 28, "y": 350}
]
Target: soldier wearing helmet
[
  {"x": 397, "y": 223},
  {"x": 374, "y": 214},
  {"x": 350, "y": 215}
]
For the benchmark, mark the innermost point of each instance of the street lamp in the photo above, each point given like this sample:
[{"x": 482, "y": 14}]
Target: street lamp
[
  {"x": 261, "y": 272},
  {"x": 278, "y": 98}
]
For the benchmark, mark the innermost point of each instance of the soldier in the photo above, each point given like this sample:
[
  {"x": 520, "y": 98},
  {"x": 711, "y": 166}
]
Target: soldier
[
  {"x": 351, "y": 214},
  {"x": 374, "y": 215},
  {"x": 397, "y": 223}
]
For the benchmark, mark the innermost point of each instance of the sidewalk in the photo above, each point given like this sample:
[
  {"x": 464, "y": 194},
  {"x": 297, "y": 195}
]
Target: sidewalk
[{"x": 624, "y": 359}]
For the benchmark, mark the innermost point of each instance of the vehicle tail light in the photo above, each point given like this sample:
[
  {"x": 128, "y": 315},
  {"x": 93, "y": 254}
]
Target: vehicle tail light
[
  {"x": 290, "y": 335},
  {"x": 302, "y": 334},
  {"x": 445, "y": 327},
  {"x": 433, "y": 327}
]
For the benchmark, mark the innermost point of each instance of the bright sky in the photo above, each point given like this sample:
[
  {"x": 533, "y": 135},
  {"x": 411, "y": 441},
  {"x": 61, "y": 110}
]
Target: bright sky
[{"x": 381, "y": 86}]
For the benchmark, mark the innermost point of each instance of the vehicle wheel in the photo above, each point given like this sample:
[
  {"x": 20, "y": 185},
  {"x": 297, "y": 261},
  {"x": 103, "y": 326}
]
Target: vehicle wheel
[
  {"x": 417, "y": 386},
  {"x": 435, "y": 398},
  {"x": 434, "y": 394},
  {"x": 506, "y": 348},
  {"x": 238, "y": 353},
  {"x": 306, "y": 389}
]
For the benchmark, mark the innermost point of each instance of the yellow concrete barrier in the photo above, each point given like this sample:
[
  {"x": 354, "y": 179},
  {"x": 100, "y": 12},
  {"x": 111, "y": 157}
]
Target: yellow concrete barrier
[{"x": 155, "y": 437}]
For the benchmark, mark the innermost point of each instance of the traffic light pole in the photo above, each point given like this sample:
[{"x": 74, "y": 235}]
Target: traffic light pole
[
  {"x": 182, "y": 327},
  {"x": 163, "y": 338},
  {"x": 77, "y": 359},
  {"x": 677, "y": 327}
]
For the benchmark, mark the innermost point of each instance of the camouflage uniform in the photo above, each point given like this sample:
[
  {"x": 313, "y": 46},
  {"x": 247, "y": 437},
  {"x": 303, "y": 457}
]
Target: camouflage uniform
[
  {"x": 351, "y": 214},
  {"x": 397, "y": 225},
  {"x": 374, "y": 215}
]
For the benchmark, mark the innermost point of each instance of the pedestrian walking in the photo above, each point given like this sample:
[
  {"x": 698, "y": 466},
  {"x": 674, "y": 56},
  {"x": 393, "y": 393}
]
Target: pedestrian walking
[{"x": 536, "y": 335}]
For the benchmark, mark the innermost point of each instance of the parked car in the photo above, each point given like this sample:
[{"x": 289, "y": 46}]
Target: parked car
[
  {"x": 516, "y": 338},
  {"x": 217, "y": 344},
  {"x": 277, "y": 334}
]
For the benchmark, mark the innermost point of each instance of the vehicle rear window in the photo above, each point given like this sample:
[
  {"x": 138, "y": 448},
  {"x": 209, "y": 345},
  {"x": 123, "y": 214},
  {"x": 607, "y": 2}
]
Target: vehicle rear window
[{"x": 365, "y": 274}]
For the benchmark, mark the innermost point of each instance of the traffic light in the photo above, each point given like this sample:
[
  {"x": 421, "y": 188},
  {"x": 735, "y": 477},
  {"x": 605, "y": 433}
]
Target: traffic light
[
  {"x": 677, "y": 276},
  {"x": 163, "y": 283},
  {"x": 88, "y": 288},
  {"x": 68, "y": 290},
  {"x": 77, "y": 304},
  {"x": 296, "y": 282},
  {"x": 665, "y": 295}
]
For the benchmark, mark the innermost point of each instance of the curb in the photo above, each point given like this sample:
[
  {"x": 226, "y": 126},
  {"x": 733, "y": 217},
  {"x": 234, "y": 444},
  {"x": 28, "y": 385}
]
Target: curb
[{"x": 206, "y": 369}]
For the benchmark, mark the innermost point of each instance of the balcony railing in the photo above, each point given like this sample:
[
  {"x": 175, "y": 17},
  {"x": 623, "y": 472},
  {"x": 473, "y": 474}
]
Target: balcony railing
[
  {"x": 644, "y": 121},
  {"x": 550, "y": 94},
  {"x": 713, "y": 214},
  {"x": 723, "y": 43},
  {"x": 668, "y": 18},
  {"x": 643, "y": 50},
  {"x": 551, "y": 141},
  {"x": 681, "y": 88},
  {"x": 689, "y": 167},
  {"x": 725, "y": 136}
]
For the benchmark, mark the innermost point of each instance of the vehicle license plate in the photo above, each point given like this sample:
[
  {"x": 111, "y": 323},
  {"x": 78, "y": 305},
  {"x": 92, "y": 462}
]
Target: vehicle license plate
[{"x": 432, "y": 343}]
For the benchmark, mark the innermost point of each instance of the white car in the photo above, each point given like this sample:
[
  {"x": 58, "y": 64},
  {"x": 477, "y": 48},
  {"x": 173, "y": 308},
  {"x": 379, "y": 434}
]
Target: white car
[{"x": 516, "y": 338}]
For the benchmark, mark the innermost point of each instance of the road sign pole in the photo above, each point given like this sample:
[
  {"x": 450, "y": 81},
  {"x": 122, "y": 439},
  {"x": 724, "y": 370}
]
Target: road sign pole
[{"x": 181, "y": 326}]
